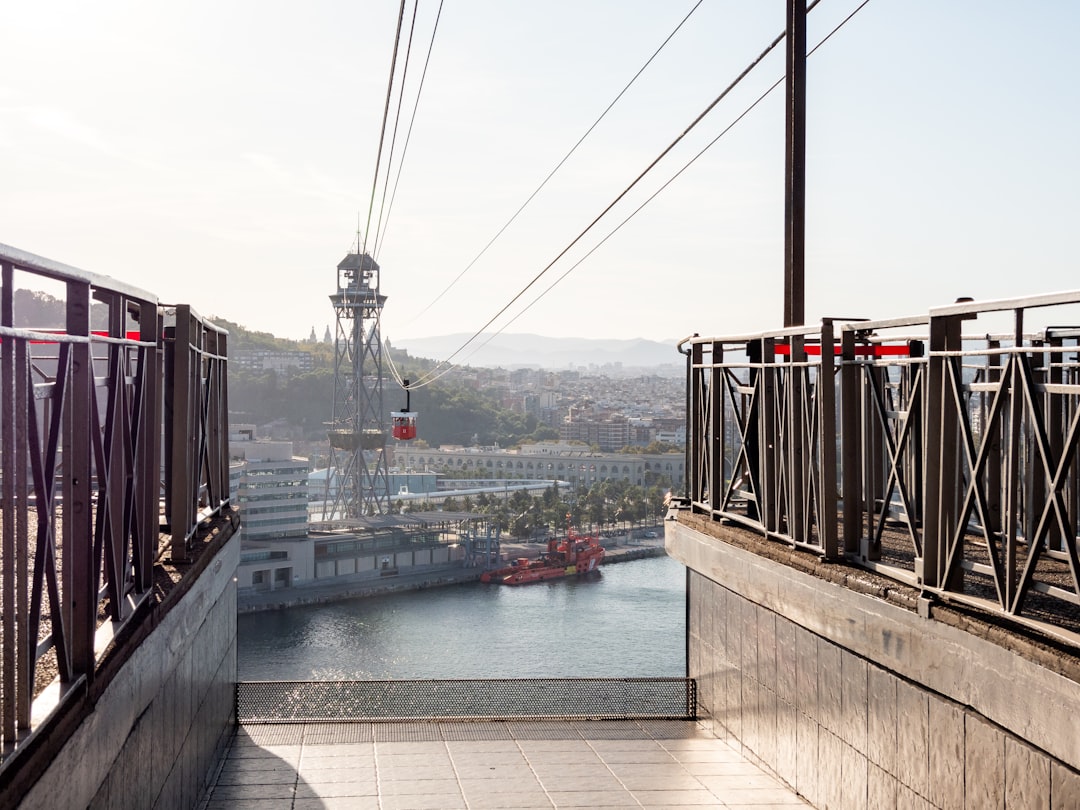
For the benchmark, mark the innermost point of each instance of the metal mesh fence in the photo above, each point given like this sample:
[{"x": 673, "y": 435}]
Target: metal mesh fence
[{"x": 488, "y": 699}]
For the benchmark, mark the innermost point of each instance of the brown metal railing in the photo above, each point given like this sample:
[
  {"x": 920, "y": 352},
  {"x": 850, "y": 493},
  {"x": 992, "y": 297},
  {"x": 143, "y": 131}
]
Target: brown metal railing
[
  {"x": 938, "y": 450},
  {"x": 84, "y": 402},
  {"x": 196, "y": 424},
  {"x": 762, "y": 436}
]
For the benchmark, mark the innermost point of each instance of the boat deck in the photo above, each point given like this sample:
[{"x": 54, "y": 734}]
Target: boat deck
[{"x": 484, "y": 764}]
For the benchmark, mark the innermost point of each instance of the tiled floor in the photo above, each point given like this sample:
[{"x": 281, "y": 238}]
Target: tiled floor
[{"x": 446, "y": 766}]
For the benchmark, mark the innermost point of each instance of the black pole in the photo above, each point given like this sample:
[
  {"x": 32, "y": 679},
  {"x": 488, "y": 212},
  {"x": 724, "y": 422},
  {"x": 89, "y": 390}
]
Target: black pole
[{"x": 795, "y": 168}]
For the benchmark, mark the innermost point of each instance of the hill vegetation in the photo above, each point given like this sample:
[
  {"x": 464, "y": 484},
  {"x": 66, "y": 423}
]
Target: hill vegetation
[{"x": 449, "y": 414}]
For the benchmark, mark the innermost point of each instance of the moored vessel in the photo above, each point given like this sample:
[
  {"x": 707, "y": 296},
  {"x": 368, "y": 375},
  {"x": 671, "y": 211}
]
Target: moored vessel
[{"x": 577, "y": 555}]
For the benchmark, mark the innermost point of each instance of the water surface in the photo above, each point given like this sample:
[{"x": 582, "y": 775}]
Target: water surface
[{"x": 630, "y": 622}]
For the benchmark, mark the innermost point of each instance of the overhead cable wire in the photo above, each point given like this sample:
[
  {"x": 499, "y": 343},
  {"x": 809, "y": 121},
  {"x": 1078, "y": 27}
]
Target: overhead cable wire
[
  {"x": 667, "y": 183},
  {"x": 430, "y": 379},
  {"x": 408, "y": 134},
  {"x": 559, "y": 165},
  {"x": 397, "y": 121},
  {"x": 700, "y": 117},
  {"x": 390, "y": 360},
  {"x": 382, "y": 132}
]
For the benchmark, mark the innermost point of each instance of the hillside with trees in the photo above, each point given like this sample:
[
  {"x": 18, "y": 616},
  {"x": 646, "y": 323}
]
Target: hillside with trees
[{"x": 451, "y": 414}]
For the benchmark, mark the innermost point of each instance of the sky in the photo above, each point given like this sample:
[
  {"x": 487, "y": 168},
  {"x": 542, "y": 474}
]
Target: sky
[{"x": 223, "y": 154}]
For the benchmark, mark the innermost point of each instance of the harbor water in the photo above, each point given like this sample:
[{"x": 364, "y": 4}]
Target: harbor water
[{"x": 628, "y": 622}]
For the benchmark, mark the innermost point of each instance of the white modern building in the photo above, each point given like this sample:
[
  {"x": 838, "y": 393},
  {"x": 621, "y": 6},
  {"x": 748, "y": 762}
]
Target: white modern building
[{"x": 272, "y": 492}]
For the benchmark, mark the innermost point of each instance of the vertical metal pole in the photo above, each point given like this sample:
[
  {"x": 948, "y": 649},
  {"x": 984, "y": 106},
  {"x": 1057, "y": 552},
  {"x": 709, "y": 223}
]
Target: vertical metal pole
[
  {"x": 1014, "y": 464},
  {"x": 795, "y": 169},
  {"x": 850, "y": 443},
  {"x": 13, "y": 695},
  {"x": 184, "y": 401},
  {"x": 755, "y": 509},
  {"x": 934, "y": 532},
  {"x": 717, "y": 431},
  {"x": 793, "y": 456},
  {"x": 79, "y": 576},
  {"x": 148, "y": 460},
  {"x": 768, "y": 426},
  {"x": 22, "y": 481},
  {"x": 828, "y": 531},
  {"x": 222, "y": 448}
]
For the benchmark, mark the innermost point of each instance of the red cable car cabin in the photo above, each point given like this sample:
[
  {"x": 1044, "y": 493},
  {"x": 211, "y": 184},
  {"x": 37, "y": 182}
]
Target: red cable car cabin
[{"x": 404, "y": 423}]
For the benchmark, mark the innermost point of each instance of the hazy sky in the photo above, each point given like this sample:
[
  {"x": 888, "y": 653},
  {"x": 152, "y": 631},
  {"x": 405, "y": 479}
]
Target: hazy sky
[{"x": 221, "y": 154}]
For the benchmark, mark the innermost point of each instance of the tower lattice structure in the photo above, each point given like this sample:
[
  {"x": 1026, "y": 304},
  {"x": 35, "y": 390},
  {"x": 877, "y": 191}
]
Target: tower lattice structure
[{"x": 357, "y": 480}]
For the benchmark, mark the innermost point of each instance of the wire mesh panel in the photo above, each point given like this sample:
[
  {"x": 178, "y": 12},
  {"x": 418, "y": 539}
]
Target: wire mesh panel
[{"x": 586, "y": 698}]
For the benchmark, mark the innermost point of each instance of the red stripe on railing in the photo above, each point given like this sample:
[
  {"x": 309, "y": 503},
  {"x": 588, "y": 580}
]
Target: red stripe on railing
[
  {"x": 130, "y": 335},
  {"x": 876, "y": 350}
]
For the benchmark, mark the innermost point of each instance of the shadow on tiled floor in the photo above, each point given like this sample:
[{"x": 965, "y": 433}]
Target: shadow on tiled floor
[{"x": 477, "y": 765}]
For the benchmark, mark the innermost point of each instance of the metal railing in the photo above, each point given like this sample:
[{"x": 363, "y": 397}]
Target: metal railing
[
  {"x": 761, "y": 448},
  {"x": 938, "y": 450},
  {"x": 473, "y": 699},
  {"x": 84, "y": 403},
  {"x": 196, "y": 424}
]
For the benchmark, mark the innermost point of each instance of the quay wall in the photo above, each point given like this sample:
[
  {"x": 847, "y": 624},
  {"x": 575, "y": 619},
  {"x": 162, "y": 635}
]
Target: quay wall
[
  {"x": 856, "y": 700},
  {"x": 359, "y": 586},
  {"x": 153, "y": 735}
]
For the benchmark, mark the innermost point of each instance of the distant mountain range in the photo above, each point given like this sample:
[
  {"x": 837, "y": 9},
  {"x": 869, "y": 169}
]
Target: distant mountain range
[{"x": 536, "y": 351}]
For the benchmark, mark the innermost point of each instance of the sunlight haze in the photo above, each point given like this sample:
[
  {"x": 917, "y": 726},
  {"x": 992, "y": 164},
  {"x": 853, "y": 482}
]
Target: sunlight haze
[{"x": 222, "y": 154}]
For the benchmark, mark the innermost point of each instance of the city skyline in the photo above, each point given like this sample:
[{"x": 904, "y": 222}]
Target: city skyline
[{"x": 223, "y": 155}]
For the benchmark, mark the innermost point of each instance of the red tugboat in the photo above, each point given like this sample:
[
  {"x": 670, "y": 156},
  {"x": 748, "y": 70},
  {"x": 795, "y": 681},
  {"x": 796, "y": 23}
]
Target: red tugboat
[{"x": 578, "y": 554}]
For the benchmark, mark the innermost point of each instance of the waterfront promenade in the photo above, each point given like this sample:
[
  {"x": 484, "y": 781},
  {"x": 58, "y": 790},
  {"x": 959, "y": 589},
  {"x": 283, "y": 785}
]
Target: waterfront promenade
[{"x": 470, "y": 765}]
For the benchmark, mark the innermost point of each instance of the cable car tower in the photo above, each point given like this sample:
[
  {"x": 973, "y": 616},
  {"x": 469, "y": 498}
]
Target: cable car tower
[{"x": 357, "y": 480}]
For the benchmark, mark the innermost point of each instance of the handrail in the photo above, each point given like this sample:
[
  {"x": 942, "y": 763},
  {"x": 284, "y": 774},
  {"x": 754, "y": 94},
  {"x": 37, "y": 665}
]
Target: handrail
[
  {"x": 958, "y": 470},
  {"x": 84, "y": 402}
]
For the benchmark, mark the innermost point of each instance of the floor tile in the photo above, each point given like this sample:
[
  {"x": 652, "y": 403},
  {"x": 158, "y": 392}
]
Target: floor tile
[
  {"x": 338, "y": 803},
  {"x": 675, "y": 798},
  {"x": 592, "y": 798},
  {"x": 489, "y": 766},
  {"x": 309, "y": 790}
]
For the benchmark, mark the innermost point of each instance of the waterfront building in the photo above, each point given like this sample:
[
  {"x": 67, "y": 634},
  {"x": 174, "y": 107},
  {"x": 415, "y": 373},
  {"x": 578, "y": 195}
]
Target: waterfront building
[
  {"x": 280, "y": 362},
  {"x": 574, "y": 463},
  {"x": 272, "y": 490}
]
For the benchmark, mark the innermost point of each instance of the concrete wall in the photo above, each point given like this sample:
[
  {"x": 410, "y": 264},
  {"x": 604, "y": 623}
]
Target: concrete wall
[
  {"x": 154, "y": 733},
  {"x": 857, "y": 702}
]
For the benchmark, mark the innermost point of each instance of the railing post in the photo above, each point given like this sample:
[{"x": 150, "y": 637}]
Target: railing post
[
  {"x": 78, "y": 602},
  {"x": 942, "y": 481},
  {"x": 182, "y": 501},
  {"x": 692, "y": 439},
  {"x": 850, "y": 438},
  {"x": 718, "y": 450},
  {"x": 112, "y": 477},
  {"x": 10, "y": 484},
  {"x": 219, "y": 429},
  {"x": 794, "y": 454},
  {"x": 148, "y": 448},
  {"x": 1055, "y": 426},
  {"x": 915, "y": 395},
  {"x": 828, "y": 531},
  {"x": 695, "y": 424},
  {"x": 752, "y": 443},
  {"x": 1015, "y": 480},
  {"x": 768, "y": 452}
]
